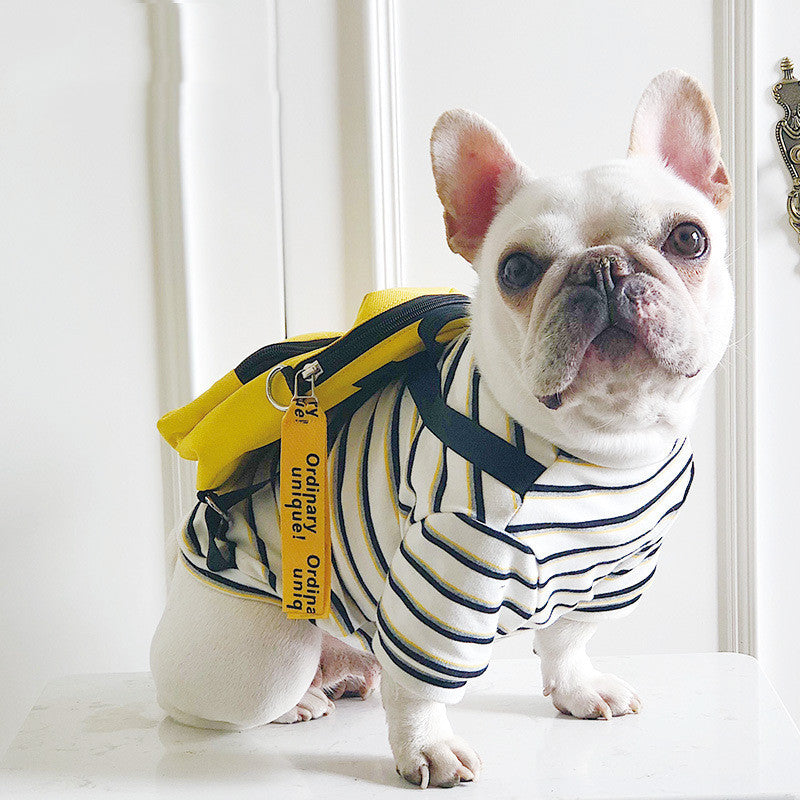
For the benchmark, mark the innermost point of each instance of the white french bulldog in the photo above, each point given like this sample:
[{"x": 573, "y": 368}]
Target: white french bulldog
[{"x": 603, "y": 305}]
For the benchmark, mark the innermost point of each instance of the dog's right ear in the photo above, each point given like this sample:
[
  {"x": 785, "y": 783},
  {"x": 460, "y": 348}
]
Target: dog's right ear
[
  {"x": 676, "y": 124},
  {"x": 475, "y": 173}
]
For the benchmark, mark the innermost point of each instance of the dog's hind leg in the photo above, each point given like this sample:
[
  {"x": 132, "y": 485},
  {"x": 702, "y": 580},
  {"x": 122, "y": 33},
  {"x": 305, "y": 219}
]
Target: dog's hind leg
[
  {"x": 345, "y": 671},
  {"x": 221, "y": 661}
]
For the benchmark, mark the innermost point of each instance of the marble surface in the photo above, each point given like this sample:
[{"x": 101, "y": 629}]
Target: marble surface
[{"x": 711, "y": 727}]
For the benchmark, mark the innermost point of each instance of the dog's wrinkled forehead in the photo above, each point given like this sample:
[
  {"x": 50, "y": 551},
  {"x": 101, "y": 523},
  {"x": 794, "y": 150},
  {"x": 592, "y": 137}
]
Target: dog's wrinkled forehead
[{"x": 609, "y": 204}]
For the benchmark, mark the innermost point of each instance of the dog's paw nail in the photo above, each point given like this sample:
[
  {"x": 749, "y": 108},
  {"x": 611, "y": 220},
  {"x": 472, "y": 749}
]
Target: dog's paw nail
[
  {"x": 424, "y": 776},
  {"x": 465, "y": 774}
]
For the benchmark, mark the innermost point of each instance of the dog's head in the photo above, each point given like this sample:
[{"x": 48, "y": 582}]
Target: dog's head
[{"x": 604, "y": 301}]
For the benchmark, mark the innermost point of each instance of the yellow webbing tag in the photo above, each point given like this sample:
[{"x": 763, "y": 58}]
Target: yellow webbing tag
[{"x": 305, "y": 532}]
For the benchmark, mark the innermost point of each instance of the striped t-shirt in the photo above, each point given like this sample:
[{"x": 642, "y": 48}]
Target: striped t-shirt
[{"x": 432, "y": 558}]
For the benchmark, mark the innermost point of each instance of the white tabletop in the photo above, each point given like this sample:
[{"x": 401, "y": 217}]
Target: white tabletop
[{"x": 711, "y": 727}]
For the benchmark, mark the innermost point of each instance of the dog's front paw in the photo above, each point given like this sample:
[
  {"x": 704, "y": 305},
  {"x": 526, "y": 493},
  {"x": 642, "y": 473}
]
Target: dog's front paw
[
  {"x": 593, "y": 695},
  {"x": 444, "y": 763}
]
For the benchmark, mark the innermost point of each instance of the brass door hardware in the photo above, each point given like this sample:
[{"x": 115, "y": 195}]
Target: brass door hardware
[{"x": 787, "y": 132}]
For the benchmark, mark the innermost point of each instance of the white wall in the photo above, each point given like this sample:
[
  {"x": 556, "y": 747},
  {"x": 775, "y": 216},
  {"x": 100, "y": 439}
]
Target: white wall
[
  {"x": 80, "y": 530},
  {"x": 777, "y": 335}
]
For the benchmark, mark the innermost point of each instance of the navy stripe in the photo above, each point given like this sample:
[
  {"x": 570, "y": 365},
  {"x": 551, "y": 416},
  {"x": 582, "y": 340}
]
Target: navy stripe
[
  {"x": 394, "y": 442},
  {"x": 340, "y": 609},
  {"x": 192, "y": 534},
  {"x": 443, "y": 590},
  {"x": 628, "y": 589},
  {"x": 495, "y": 534},
  {"x": 473, "y": 564},
  {"x": 364, "y": 489},
  {"x": 215, "y": 577},
  {"x": 416, "y": 611},
  {"x": 584, "y": 570},
  {"x": 345, "y": 591},
  {"x": 598, "y": 523},
  {"x": 519, "y": 436},
  {"x": 477, "y": 475},
  {"x": 489, "y": 573},
  {"x": 453, "y": 368},
  {"x": 671, "y": 510},
  {"x": 592, "y": 487},
  {"x": 442, "y": 482},
  {"x": 250, "y": 518},
  {"x": 340, "y": 467},
  {"x": 420, "y": 657},
  {"x": 610, "y": 607},
  {"x": 412, "y": 454},
  {"x": 415, "y": 673}
]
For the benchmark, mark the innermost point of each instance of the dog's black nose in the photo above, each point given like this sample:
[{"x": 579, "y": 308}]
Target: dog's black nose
[{"x": 601, "y": 267}]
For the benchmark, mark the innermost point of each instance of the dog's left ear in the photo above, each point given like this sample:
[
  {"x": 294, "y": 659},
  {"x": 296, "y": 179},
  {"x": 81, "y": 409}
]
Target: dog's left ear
[
  {"x": 475, "y": 173},
  {"x": 675, "y": 123}
]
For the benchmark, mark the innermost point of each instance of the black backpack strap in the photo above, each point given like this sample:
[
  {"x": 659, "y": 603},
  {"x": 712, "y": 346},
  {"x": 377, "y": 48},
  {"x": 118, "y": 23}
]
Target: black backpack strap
[
  {"x": 489, "y": 452},
  {"x": 221, "y": 553}
]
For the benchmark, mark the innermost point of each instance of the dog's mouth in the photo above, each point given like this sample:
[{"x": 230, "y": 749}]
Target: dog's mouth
[
  {"x": 613, "y": 344},
  {"x": 639, "y": 320}
]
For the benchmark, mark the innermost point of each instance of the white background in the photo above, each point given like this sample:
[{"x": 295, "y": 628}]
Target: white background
[{"x": 282, "y": 215}]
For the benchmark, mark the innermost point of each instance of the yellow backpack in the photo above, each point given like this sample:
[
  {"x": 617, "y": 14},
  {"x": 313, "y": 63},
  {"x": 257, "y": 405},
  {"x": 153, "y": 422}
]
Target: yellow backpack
[{"x": 236, "y": 415}]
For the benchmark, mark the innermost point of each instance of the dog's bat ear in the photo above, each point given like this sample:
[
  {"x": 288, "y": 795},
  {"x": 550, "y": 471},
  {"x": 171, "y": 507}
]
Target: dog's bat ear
[
  {"x": 475, "y": 173},
  {"x": 675, "y": 123}
]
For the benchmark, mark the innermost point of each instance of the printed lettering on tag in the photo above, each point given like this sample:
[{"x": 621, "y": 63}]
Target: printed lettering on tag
[{"x": 305, "y": 532}]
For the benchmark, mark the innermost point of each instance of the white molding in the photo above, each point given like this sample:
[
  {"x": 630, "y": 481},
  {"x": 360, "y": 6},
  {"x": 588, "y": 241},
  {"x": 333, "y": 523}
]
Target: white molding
[
  {"x": 277, "y": 154},
  {"x": 166, "y": 202},
  {"x": 384, "y": 135},
  {"x": 735, "y": 96}
]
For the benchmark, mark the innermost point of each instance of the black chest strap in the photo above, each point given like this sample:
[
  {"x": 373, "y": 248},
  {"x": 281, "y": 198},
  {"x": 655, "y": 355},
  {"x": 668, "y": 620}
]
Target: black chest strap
[{"x": 489, "y": 452}]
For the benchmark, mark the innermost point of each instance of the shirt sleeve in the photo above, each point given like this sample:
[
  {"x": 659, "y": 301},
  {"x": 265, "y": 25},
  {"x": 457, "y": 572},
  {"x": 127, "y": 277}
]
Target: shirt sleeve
[{"x": 438, "y": 614}]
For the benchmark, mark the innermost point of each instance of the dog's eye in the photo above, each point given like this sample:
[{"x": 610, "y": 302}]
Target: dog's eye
[
  {"x": 518, "y": 271},
  {"x": 687, "y": 240}
]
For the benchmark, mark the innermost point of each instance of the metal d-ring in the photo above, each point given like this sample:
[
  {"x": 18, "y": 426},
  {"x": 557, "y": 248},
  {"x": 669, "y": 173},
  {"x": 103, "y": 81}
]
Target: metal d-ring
[{"x": 270, "y": 375}]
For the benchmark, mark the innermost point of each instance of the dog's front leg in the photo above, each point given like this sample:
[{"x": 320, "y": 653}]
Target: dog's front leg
[
  {"x": 573, "y": 684},
  {"x": 425, "y": 750}
]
